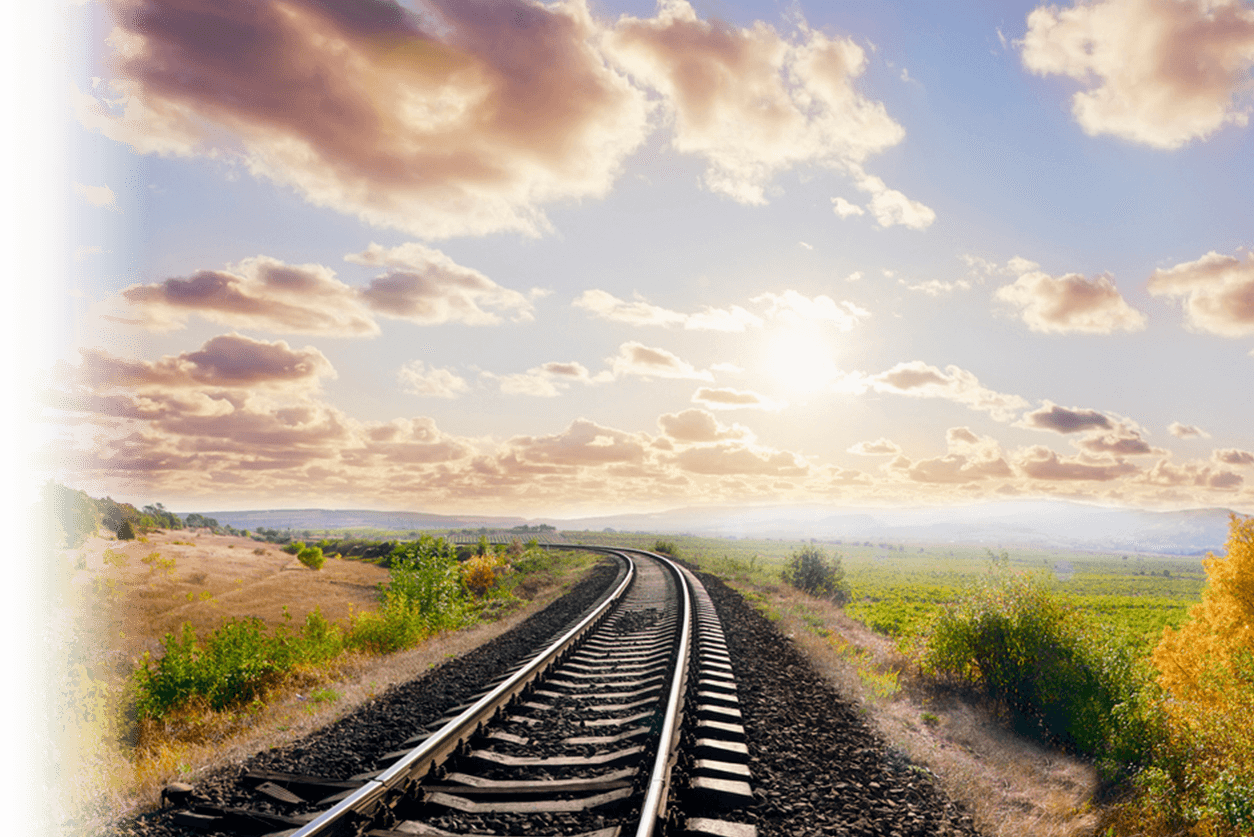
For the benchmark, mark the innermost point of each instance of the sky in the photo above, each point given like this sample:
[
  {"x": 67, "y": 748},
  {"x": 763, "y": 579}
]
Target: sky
[{"x": 601, "y": 256}]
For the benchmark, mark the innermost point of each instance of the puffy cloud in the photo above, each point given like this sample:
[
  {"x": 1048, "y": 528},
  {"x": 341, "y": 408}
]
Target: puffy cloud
[
  {"x": 101, "y": 196},
  {"x": 958, "y": 468},
  {"x": 640, "y": 312},
  {"x": 880, "y": 447},
  {"x": 727, "y": 459},
  {"x": 750, "y": 101},
  {"x": 793, "y": 307},
  {"x": 226, "y": 361},
  {"x": 734, "y": 399},
  {"x": 1122, "y": 441},
  {"x": 1187, "y": 431},
  {"x": 1071, "y": 303},
  {"x": 1041, "y": 463},
  {"x": 1066, "y": 420},
  {"x": 891, "y": 208},
  {"x": 637, "y": 359},
  {"x": 1218, "y": 292},
  {"x": 1234, "y": 456},
  {"x": 260, "y": 292},
  {"x": 1157, "y": 72},
  {"x": 582, "y": 443},
  {"x": 1196, "y": 474},
  {"x": 920, "y": 380},
  {"x": 844, "y": 208},
  {"x": 421, "y": 285},
  {"x": 694, "y": 425},
  {"x": 547, "y": 380},
  {"x": 465, "y": 120},
  {"x": 417, "y": 379}
]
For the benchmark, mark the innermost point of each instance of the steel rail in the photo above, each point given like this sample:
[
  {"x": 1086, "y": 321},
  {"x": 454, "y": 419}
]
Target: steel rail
[{"x": 367, "y": 799}]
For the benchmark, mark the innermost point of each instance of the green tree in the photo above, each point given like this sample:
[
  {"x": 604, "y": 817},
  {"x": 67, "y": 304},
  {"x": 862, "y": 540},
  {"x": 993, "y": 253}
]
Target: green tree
[
  {"x": 312, "y": 557},
  {"x": 126, "y": 532},
  {"x": 811, "y": 571}
]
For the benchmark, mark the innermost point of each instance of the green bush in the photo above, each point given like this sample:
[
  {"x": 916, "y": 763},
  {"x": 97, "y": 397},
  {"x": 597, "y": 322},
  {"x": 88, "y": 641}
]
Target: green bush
[
  {"x": 1056, "y": 676},
  {"x": 312, "y": 557},
  {"x": 423, "y": 595},
  {"x": 126, "y": 532},
  {"x": 666, "y": 548},
  {"x": 293, "y": 548},
  {"x": 237, "y": 663},
  {"x": 811, "y": 571}
]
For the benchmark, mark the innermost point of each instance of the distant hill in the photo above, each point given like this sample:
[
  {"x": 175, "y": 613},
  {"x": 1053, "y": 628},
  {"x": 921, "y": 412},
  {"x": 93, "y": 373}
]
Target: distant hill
[
  {"x": 318, "y": 519},
  {"x": 1044, "y": 523}
]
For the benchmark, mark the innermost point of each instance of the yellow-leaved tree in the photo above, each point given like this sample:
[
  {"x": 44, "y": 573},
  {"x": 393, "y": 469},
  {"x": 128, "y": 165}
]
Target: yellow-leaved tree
[{"x": 1206, "y": 669}]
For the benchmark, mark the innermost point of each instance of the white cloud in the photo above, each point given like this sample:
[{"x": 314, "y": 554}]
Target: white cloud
[
  {"x": 101, "y": 196},
  {"x": 1157, "y": 72},
  {"x": 751, "y": 101},
  {"x": 794, "y": 307},
  {"x": 890, "y": 207},
  {"x": 1218, "y": 292},
  {"x": 637, "y": 359},
  {"x": 1071, "y": 304},
  {"x": 641, "y": 312},
  {"x": 917, "y": 379},
  {"x": 417, "y": 378},
  {"x": 844, "y": 208},
  {"x": 726, "y": 398}
]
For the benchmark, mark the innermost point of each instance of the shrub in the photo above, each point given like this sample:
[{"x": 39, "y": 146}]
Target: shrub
[
  {"x": 479, "y": 574},
  {"x": 1056, "y": 676},
  {"x": 126, "y": 532},
  {"x": 666, "y": 548},
  {"x": 312, "y": 557},
  {"x": 811, "y": 571},
  {"x": 293, "y": 548}
]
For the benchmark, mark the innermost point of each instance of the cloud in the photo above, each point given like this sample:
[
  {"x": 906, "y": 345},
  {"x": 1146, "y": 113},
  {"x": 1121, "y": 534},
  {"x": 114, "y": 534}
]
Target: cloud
[
  {"x": 892, "y": 208},
  {"x": 260, "y": 292},
  {"x": 735, "y": 399},
  {"x": 695, "y": 426},
  {"x": 1122, "y": 441},
  {"x": 957, "y": 468},
  {"x": 422, "y": 285},
  {"x": 793, "y": 307},
  {"x": 1197, "y": 474},
  {"x": 1070, "y": 304},
  {"x": 726, "y": 459},
  {"x": 917, "y": 379},
  {"x": 583, "y": 443},
  {"x": 750, "y": 101},
  {"x": 417, "y": 379},
  {"x": 226, "y": 361},
  {"x": 1186, "y": 431},
  {"x": 101, "y": 196},
  {"x": 844, "y": 208},
  {"x": 640, "y": 312},
  {"x": 1156, "y": 72},
  {"x": 1041, "y": 463},
  {"x": 935, "y": 287},
  {"x": 427, "y": 287},
  {"x": 1218, "y": 292},
  {"x": 467, "y": 119},
  {"x": 547, "y": 380},
  {"x": 1233, "y": 456},
  {"x": 880, "y": 447},
  {"x": 1066, "y": 420},
  {"x": 637, "y": 359}
]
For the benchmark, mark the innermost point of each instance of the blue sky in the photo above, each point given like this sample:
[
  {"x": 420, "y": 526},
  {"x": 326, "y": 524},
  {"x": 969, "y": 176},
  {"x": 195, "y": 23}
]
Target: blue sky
[{"x": 586, "y": 258}]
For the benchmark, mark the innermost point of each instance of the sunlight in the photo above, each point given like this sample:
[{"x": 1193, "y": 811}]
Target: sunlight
[{"x": 801, "y": 359}]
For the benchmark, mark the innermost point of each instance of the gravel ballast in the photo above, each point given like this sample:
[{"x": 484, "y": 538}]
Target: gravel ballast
[{"x": 817, "y": 768}]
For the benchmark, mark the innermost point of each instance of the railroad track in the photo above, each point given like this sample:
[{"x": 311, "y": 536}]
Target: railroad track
[{"x": 584, "y": 738}]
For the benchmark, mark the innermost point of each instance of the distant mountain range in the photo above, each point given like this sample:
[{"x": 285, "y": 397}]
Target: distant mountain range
[{"x": 1042, "y": 523}]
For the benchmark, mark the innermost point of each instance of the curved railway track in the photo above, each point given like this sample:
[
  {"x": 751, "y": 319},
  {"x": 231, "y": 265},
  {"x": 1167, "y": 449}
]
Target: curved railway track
[{"x": 582, "y": 738}]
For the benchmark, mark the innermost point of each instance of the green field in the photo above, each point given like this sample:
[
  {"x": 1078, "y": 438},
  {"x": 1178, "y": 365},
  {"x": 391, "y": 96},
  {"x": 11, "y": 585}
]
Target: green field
[{"x": 897, "y": 587}]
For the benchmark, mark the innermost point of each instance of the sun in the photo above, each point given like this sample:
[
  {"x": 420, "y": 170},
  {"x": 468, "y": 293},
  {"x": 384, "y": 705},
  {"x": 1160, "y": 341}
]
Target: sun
[{"x": 800, "y": 360}]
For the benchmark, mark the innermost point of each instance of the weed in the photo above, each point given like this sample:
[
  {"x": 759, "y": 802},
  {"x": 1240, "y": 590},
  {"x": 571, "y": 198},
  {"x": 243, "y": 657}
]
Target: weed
[{"x": 115, "y": 559}]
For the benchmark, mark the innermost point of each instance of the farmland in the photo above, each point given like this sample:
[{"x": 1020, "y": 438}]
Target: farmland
[{"x": 898, "y": 587}]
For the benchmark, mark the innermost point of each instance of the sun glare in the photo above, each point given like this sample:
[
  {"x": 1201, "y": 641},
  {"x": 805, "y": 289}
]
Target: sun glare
[{"x": 800, "y": 360}]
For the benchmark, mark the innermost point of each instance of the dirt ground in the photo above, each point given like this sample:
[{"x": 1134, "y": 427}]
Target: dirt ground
[{"x": 135, "y": 592}]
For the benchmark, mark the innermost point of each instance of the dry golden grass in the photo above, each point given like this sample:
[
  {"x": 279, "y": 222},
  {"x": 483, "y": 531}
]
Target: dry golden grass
[
  {"x": 115, "y": 606},
  {"x": 1012, "y": 786}
]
